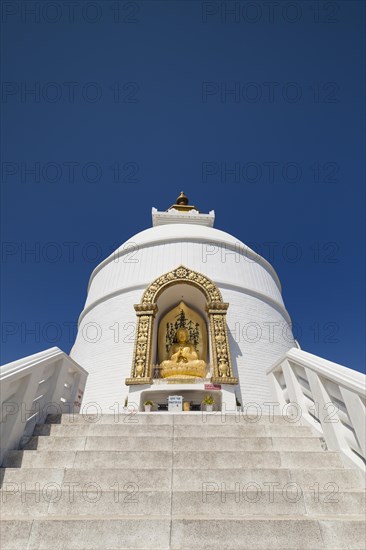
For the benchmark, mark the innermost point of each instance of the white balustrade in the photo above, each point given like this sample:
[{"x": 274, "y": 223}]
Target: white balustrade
[
  {"x": 332, "y": 399},
  {"x": 49, "y": 382}
]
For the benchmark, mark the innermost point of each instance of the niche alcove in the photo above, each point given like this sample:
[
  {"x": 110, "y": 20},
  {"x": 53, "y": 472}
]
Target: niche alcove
[{"x": 203, "y": 300}]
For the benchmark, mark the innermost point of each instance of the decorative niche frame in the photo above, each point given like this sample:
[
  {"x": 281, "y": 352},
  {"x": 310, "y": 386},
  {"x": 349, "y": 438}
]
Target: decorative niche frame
[{"x": 141, "y": 370}]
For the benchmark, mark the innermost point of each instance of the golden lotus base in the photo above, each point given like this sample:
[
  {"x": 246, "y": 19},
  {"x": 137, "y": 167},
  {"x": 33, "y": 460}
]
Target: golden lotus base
[{"x": 183, "y": 371}]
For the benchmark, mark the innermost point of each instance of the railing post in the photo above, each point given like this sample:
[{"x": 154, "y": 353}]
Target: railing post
[
  {"x": 296, "y": 394},
  {"x": 24, "y": 400},
  {"x": 58, "y": 386},
  {"x": 78, "y": 385},
  {"x": 330, "y": 422},
  {"x": 356, "y": 412},
  {"x": 277, "y": 391}
]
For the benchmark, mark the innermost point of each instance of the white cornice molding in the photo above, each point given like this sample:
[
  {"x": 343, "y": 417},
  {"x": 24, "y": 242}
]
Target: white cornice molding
[{"x": 174, "y": 216}]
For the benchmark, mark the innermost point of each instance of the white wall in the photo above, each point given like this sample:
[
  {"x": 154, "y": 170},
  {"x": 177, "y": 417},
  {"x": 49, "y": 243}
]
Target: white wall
[{"x": 259, "y": 335}]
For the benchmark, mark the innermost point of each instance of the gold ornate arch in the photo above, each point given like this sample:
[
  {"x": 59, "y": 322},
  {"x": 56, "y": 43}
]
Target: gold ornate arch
[{"x": 141, "y": 371}]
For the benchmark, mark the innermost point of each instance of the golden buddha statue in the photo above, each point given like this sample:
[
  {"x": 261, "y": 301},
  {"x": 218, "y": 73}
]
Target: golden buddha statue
[{"x": 183, "y": 359}]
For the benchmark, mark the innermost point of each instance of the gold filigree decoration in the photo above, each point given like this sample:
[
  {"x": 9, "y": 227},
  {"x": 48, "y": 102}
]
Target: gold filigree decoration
[
  {"x": 179, "y": 275},
  {"x": 141, "y": 372}
]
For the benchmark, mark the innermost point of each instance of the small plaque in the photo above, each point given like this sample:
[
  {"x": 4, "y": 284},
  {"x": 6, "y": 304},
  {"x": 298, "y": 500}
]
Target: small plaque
[
  {"x": 212, "y": 387},
  {"x": 175, "y": 403}
]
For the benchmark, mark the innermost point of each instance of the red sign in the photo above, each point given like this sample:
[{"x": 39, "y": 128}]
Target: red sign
[{"x": 212, "y": 387}]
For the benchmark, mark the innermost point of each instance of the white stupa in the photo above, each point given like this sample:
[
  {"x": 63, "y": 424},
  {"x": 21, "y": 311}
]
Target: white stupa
[
  {"x": 181, "y": 316},
  {"x": 181, "y": 259}
]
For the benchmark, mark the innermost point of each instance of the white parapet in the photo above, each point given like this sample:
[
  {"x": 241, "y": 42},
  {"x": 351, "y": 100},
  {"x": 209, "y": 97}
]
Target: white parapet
[
  {"x": 49, "y": 382},
  {"x": 330, "y": 397}
]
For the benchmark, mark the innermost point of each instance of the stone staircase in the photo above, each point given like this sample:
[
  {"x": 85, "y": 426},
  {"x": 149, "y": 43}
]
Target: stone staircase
[{"x": 188, "y": 481}]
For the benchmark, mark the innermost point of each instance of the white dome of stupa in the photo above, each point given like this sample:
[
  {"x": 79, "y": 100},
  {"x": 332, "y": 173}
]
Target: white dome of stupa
[{"x": 258, "y": 325}]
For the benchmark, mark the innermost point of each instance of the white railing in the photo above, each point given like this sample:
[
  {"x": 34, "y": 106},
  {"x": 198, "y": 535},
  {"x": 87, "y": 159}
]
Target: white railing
[
  {"x": 331, "y": 399},
  {"x": 49, "y": 382}
]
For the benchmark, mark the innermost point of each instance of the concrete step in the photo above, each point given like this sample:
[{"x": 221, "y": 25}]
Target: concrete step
[
  {"x": 253, "y": 533},
  {"x": 86, "y": 501},
  {"x": 254, "y": 459},
  {"x": 158, "y": 419},
  {"x": 39, "y": 459},
  {"x": 247, "y": 444},
  {"x": 142, "y": 430},
  {"x": 83, "y": 430},
  {"x": 181, "y": 459},
  {"x": 307, "y": 479},
  {"x": 258, "y": 533},
  {"x": 88, "y": 459},
  {"x": 120, "y": 443},
  {"x": 212, "y": 501},
  {"x": 254, "y": 499},
  {"x": 117, "y": 503},
  {"x": 335, "y": 502},
  {"x": 236, "y": 430},
  {"x": 184, "y": 479},
  {"x": 29, "y": 477},
  {"x": 341, "y": 534},
  {"x": 165, "y": 459},
  {"x": 128, "y": 419},
  {"x": 17, "y": 480},
  {"x": 343, "y": 478},
  {"x": 222, "y": 418},
  {"x": 94, "y": 443},
  {"x": 39, "y": 479},
  {"x": 85, "y": 534},
  {"x": 146, "y": 479}
]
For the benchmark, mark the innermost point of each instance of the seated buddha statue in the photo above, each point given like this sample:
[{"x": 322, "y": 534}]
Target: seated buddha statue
[{"x": 183, "y": 359}]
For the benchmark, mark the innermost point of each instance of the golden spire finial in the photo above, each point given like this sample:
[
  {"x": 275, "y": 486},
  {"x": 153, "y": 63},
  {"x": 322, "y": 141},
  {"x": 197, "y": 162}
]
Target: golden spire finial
[
  {"x": 182, "y": 205},
  {"x": 182, "y": 199}
]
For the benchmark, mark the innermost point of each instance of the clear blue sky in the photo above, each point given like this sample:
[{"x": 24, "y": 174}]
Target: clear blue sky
[{"x": 129, "y": 107}]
